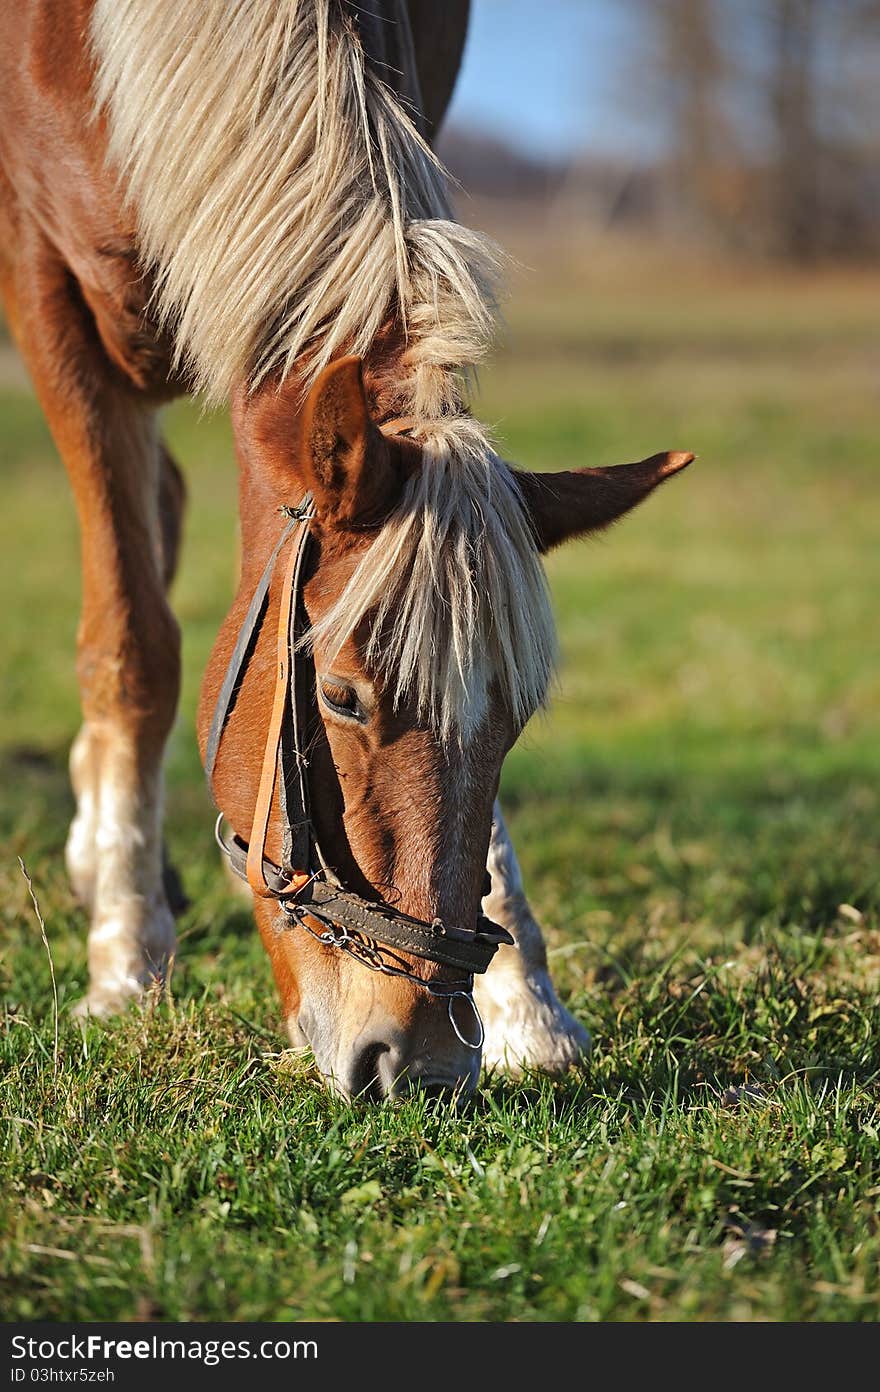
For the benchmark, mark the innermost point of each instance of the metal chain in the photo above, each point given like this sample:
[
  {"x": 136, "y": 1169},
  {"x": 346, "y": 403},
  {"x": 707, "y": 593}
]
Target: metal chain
[{"x": 369, "y": 954}]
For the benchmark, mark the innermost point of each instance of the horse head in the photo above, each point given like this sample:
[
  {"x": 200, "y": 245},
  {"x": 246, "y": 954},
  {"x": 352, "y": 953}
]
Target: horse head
[{"x": 422, "y": 649}]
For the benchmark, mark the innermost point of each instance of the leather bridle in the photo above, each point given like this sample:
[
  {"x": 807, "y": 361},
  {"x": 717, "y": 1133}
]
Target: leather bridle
[{"x": 304, "y": 884}]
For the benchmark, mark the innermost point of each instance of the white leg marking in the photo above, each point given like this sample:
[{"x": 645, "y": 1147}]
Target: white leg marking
[
  {"x": 80, "y": 849},
  {"x": 526, "y": 1024},
  {"x": 132, "y": 932}
]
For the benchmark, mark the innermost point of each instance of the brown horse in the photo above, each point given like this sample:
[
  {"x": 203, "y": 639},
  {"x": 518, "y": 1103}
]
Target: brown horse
[{"x": 239, "y": 197}]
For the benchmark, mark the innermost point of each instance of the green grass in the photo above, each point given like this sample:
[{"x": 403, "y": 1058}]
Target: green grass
[{"x": 698, "y": 825}]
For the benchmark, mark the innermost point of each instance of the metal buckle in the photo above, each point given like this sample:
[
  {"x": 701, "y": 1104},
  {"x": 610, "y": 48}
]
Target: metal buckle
[{"x": 304, "y": 512}]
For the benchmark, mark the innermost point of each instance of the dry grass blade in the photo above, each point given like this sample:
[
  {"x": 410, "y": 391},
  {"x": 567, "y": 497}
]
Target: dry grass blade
[{"x": 32, "y": 892}]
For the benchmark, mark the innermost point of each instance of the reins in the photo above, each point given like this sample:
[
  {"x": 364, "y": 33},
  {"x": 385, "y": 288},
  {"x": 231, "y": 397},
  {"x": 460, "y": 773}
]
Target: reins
[{"x": 305, "y": 885}]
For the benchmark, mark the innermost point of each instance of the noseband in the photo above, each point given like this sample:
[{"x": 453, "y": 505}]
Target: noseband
[{"x": 304, "y": 884}]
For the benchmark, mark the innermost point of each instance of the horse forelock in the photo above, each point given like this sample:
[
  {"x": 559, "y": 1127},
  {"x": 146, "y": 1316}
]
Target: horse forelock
[{"x": 451, "y": 591}]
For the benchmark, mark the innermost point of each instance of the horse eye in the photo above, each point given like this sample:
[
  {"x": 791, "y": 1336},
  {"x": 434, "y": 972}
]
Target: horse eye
[{"x": 341, "y": 699}]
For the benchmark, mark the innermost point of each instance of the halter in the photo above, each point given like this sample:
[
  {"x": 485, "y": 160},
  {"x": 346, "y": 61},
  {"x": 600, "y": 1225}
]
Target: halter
[{"x": 304, "y": 885}]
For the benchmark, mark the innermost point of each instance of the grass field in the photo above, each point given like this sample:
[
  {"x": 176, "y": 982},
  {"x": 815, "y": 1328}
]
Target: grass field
[{"x": 698, "y": 821}]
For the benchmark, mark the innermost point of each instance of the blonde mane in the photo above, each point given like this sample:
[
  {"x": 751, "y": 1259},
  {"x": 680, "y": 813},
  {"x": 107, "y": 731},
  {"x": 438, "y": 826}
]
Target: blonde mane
[{"x": 287, "y": 205}]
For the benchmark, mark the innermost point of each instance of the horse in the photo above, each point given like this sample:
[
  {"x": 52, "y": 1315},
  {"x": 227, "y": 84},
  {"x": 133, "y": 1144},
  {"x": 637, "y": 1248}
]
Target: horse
[{"x": 240, "y": 198}]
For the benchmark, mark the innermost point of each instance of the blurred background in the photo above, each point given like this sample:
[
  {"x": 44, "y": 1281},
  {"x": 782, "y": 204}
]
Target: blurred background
[
  {"x": 746, "y": 130},
  {"x": 689, "y": 192}
]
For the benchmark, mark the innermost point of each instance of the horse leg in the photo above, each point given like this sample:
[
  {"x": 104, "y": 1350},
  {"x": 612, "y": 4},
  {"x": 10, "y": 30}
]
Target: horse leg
[
  {"x": 81, "y": 849},
  {"x": 526, "y": 1024},
  {"x": 128, "y": 640}
]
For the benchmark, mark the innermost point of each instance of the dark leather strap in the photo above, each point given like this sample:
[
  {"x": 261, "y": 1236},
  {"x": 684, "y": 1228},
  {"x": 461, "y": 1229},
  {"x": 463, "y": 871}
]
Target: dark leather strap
[
  {"x": 334, "y": 906},
  {"x": 472, "y": 952}
]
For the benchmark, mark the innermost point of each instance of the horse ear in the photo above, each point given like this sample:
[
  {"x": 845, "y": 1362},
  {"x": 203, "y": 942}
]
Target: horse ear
[
  {"x": 575, "y": 502},
  {"x": 347, "y": 463}
]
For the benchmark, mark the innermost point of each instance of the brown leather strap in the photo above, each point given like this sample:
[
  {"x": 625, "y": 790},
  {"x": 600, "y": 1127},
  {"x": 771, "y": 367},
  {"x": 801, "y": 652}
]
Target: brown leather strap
[
  {"x": 256, "y": 876},
  {"x": 400, "y": 425},
  {"x": 240, "y": 655}
]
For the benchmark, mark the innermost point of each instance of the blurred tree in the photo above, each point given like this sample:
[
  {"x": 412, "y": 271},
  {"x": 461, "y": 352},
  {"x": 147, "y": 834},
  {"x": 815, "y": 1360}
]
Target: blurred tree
[
  {"x": 693, "y": 61},
  {"x": 793, "y": 79},
  {"x": 771, "y": 110},
  {"x": 685, "y": 71},
  {"x": 822, "y": 96}
]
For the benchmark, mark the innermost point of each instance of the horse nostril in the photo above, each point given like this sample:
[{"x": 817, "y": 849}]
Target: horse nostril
[
  {"x": 380, "y": 1069},
  {"x": 365, "y": 1074}
]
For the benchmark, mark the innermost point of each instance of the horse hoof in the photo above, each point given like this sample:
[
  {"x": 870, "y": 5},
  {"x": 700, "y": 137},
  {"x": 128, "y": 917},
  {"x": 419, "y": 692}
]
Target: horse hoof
[
  {"x": 99, "y": 1005},
  {"x": 533, "y": 1031},
  {"x": 102, "y": 1002}
]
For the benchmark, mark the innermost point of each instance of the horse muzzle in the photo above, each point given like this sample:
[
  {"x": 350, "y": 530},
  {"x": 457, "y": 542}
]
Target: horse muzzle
[{"x": 381, "y": 1059}]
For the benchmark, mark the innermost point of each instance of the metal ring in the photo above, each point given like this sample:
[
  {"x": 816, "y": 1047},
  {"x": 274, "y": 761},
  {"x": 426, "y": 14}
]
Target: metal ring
[
  {"x": 336, "y": 935},
  {"x": 466, "y": 995}
]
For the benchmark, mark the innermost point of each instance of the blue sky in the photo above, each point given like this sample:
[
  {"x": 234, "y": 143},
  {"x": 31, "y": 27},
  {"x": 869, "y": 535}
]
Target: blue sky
[{"x": 546, "y": 75}]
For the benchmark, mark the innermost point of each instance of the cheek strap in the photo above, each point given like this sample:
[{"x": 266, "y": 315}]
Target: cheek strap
[{"x": 284, "y": 704}]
